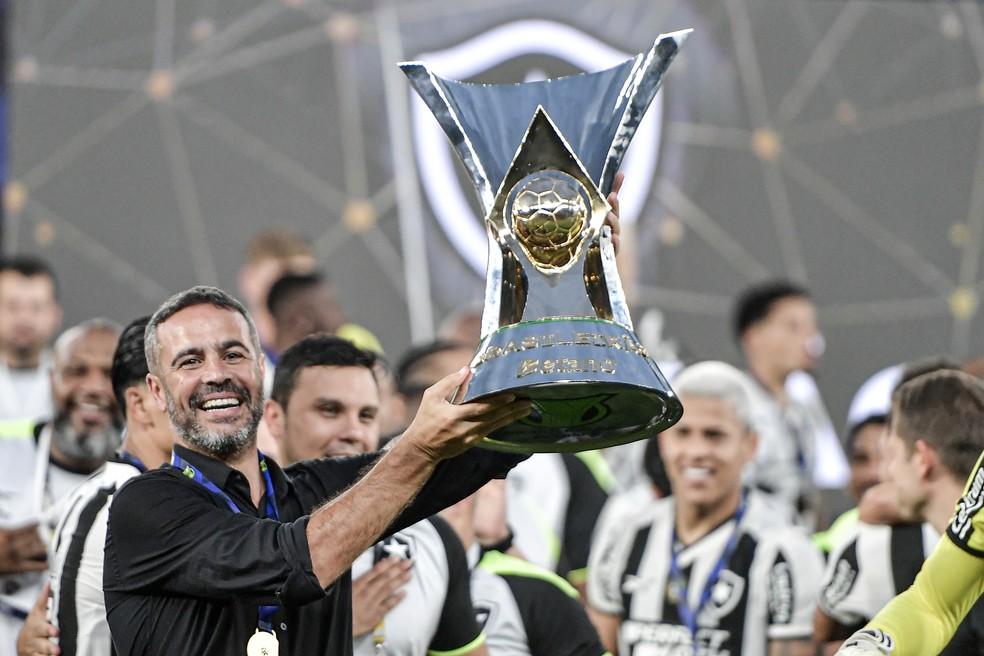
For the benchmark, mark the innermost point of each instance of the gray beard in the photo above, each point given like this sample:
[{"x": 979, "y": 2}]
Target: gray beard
[
  {"x": 224, "y": 447},
  {"x": 91, "y": 448}
]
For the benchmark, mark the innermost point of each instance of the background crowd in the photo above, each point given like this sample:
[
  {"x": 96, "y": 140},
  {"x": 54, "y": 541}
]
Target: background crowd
[{"x": 720, "y": 536}]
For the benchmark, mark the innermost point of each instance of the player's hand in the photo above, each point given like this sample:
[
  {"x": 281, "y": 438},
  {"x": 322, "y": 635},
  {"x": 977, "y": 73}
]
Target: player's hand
[
  {"x": 35, "y": 636},
  {"x": 867, "y": 642},
  {"x": 376, "y": 592},
  {"x": 613, "y": 217},
  {"x": 22, "y": 550},
  {"x": 442, "y": 429}
]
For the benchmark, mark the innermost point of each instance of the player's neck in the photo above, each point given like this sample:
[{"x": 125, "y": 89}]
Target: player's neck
[
  {"x": 771, "y": 378},
  {"x": 141, "y": 447},
  {"x": 939, "y": 506},
  {"x": 694, "y": 521}
]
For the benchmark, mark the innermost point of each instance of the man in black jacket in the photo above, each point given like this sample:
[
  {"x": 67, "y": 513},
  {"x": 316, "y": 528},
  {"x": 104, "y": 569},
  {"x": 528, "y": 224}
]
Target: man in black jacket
[{"x": 224, "y": 552}]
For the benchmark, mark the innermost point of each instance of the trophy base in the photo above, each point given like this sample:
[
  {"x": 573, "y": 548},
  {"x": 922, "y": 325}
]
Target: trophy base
[{"x": 591, "y": 383}]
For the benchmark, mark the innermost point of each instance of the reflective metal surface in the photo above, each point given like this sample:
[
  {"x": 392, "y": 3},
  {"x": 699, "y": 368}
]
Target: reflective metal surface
[{"x": 556, "y": 327}]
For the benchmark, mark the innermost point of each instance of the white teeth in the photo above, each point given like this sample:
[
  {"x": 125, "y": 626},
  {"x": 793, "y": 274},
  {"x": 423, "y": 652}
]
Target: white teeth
[
  {"x": 216, "y": 404},
  {"x": 696, "y": 473}
]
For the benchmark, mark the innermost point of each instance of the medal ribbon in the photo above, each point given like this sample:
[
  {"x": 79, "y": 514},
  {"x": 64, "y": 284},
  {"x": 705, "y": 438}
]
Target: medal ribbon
[
  {"x": 678, "y": 581},
  {"x": 265, "y": 613}
]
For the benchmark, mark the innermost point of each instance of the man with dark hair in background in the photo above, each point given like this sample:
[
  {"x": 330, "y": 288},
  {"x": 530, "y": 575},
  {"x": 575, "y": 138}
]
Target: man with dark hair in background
[
  {"x": 775, "y": 325},
  {"x": 554, "y": 499},
  {"x": 43, "y": 463},
  {"x": 78, "y": 605},
  {"x": 301, "y": 305},
  {"x": 29, "y": 317},
  {"x": 409, "y": 591}
]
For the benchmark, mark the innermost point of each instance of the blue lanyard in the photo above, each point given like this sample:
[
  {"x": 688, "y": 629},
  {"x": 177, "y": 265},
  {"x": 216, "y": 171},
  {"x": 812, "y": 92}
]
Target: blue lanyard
[
  {"x": 266, "y": 613},
  {"x": 679, "y": 584},
  {"x": 133, "y": 460}
]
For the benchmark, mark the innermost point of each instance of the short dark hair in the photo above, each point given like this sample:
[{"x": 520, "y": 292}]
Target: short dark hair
[
  {"x": 755, "y": 303},
  {"x": 415, "y": 357},
  {"x": 946, "y": 410},
  {"x": 30, "y": 266},
  {"x": 317, "y": 350},
  {"x": 286, "y": 287},
  {"x": 129, "y": 361},
  {"x": 199, "y": 295}
]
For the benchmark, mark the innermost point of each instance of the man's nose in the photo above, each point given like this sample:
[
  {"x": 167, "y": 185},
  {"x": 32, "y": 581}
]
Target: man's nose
[
  {"x": 96, "y": 381},
  {"x": 215, "y": 370}
]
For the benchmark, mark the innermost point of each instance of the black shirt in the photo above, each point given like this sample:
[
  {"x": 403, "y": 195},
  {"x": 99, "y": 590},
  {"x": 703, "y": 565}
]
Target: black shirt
[{"x": 185, "y": 575}]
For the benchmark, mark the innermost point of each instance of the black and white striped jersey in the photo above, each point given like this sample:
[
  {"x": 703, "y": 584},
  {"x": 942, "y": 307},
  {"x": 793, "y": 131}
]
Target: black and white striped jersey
[
  {"x": 765, "y": 591},
  {"x": 436, "y": 615},
  {"x": 78, "y": 608},
  {"x": 526, "y": 610},
  {"x": 875, "y": 563}
]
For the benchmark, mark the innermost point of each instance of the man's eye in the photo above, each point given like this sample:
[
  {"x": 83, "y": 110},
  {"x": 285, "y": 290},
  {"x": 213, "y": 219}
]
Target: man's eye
[
  {"x": 188, "y": 362},
  {"x": 234, "y": 356}
]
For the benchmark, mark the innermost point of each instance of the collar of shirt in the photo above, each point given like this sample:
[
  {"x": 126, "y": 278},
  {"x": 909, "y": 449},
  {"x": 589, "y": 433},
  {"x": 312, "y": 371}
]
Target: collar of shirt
[{"x": 232, "y": 480}]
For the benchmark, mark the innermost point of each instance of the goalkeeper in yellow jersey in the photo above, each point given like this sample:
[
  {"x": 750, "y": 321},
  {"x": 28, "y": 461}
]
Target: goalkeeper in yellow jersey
[{"x": 922, "y": 620}]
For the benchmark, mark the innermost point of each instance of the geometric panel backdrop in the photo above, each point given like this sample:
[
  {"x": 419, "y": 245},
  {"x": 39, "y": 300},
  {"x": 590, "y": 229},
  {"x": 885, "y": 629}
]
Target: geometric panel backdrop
[{"x": 836, "y": 143}]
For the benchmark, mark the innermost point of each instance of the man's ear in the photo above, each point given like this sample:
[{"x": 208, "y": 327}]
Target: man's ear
[
  {"x": 275, "y": 419},
  {"x": 135, "y": 410},
  {"x": 926, "y": 459},
  {"x": 157, "y": 390},
  {"x": 751, "y": 445}
]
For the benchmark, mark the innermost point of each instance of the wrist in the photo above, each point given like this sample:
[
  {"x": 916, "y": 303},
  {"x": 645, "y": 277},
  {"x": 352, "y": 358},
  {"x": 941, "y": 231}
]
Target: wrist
[{"x": 412, "y": 453}]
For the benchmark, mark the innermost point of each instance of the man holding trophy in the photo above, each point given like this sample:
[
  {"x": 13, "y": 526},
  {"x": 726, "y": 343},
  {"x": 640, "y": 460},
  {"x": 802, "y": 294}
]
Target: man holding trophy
[{"x": 225, "y": 553}]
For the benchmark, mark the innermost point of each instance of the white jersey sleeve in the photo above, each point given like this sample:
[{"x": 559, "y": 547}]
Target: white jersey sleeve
[
  {"x": 605, "y": 566},
  {"x": 794, "y": 569}
]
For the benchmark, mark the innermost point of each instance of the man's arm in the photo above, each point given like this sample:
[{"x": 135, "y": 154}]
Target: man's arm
[
  {"x": 606, "y": 625},
  {"x": 792, "y": 648},
  {"x": 348, "y": 525},
  {"x": 793, "y": 582},
  {"x": 167, "y": 534},
  {"x": 922, "y": 619}
]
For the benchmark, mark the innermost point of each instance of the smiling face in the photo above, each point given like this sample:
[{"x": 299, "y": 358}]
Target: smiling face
[
  {"x": 333, "y": 411},
  {"x": 208, "y": 375},
  {"x": 705, "y": 452},
  {"x": 82, "y": 390},
  {"x": 904, "y": 472}
]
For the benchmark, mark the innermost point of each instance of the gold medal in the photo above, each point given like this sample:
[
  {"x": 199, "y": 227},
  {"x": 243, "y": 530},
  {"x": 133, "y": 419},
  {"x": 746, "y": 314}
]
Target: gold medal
[{"x": 263, "y": 643}]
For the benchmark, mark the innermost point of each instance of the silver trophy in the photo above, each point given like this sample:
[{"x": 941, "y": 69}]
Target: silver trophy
[{"x": 556, "y": 327}]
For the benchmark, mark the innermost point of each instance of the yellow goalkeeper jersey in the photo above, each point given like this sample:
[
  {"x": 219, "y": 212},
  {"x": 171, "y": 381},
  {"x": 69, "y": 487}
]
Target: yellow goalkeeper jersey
[{"x": 922, "y": 619}]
